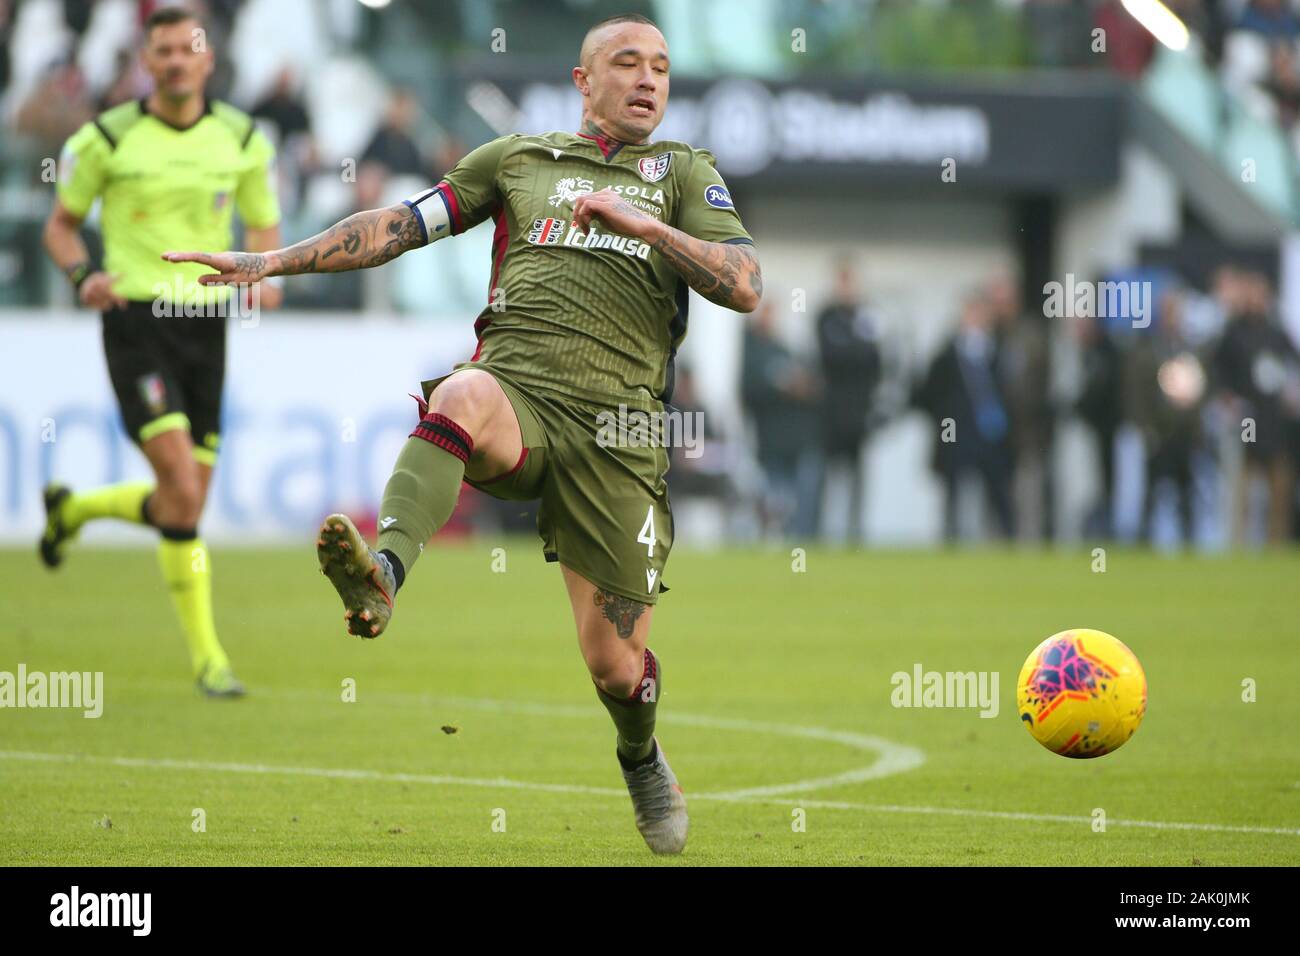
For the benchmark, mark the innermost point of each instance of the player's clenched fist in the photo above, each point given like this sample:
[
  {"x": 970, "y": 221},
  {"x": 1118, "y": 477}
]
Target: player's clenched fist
[
  {"x": 615, "y": 212},
  {"x": 97, "y": 292}
]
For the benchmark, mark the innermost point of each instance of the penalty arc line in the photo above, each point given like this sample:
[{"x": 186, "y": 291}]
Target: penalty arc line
[
  {"x": 343, "y": 773},
  {"x": 892, "y": 757}
]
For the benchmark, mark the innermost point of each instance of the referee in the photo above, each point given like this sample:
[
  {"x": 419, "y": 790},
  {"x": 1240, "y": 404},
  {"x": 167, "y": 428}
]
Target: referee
[{"x": 169, "y": 169}]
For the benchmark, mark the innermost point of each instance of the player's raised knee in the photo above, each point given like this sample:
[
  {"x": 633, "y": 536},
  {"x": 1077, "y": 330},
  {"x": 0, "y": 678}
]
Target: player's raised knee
[
  {"x": 470, "y": 398},
  {"x": 617, "y": 675}
]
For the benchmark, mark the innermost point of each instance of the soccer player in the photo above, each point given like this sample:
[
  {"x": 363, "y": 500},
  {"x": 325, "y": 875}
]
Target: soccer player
[
  {"x": 174, "y": 164},
  {"x": 598, "y": 234}
]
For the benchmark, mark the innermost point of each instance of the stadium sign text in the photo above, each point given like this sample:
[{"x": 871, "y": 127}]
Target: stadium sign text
[{"x": 839, "y": 132}]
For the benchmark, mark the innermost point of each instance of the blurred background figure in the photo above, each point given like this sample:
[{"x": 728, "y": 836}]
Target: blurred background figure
[
  {"x": 848, "y": 344},
  {"x": 1129, "y": 47},
  {"x": 1164, "y": 390},
  {"x": 56, "y": 107},
  {"x": 1026, "y": 371},
  {"x": 1114, "y": 155},
  {"x": 285, "y": 113},
  {"x": 1259, "y": 368},
  {"x": 6, "y": 28},
  {"x": 781, "y": 395},
  {"x": 130, "y": 82},
  {"x": 703, "y": 466},
  {"x": 1270, "y": 18},
  {"x": 962, "y": 393},
  {"x": 393, "y": 150},
  {"x": 1101, "y": 408},
  {"x": 283, "y": 107}
]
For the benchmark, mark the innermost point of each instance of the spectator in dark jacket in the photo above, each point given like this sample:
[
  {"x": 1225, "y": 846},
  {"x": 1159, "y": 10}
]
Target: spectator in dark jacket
[
  {"x": 850, "y": 360},
  {"x": 1100, "y": 405},
  {"x": 1026, "y": 370},
  {"x": 393, "y": 147},
  {"x": 780, "y": 393},
  {"x": 283, "y": 107},
  {"x": 1164, "y": 390},
  {"x": 1259, "y": 367},
  {"x": 962, "y": 392}
]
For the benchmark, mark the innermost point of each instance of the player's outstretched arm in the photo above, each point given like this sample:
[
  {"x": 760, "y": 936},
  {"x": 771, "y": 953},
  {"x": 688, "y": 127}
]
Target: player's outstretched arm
[
  {"x": 361, "y": 241},
  {"x": 725, "y": 273}
]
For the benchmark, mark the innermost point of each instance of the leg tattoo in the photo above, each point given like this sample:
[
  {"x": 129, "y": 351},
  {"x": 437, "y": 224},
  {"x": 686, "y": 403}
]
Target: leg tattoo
[{"x": 620, "y": 611}]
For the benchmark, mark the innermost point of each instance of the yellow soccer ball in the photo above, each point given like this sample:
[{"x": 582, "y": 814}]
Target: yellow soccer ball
[{"x": 1082, "y": 693}]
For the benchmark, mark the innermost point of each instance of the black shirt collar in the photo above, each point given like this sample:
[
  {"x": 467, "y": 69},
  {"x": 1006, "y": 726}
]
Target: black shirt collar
[{"x": 207, "y": 111}]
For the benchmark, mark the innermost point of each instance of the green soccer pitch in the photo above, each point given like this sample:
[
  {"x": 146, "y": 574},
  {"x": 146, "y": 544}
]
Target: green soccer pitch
[{"x": 475, "y": 736}]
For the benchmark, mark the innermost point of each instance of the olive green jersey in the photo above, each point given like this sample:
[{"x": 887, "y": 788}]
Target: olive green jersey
[
  {"x": 595, "y": 316},
  {"x": 167, "y": 188}
]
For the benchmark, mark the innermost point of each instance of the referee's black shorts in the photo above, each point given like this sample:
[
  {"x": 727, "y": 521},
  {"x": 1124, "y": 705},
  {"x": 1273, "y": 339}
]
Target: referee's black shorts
[{"x": 168, "y": 373}]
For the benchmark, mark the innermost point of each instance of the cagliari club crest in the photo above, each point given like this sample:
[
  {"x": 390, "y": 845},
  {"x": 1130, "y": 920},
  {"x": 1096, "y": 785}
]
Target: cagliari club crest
[{"x": 654, "y": 168}]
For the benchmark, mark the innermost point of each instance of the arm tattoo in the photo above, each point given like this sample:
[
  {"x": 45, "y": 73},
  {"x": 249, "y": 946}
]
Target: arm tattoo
[
  {"x": 620, "y": 611},
  {"x": 724, "y": 273},
  {"x": 366, "y": 239},
  {"x": 249, "y": 266}
]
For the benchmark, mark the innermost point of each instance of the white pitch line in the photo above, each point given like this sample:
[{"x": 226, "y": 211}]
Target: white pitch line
[
  {"x": 437, "y": 780},
  {"x": 1032, "y": 817},
  {"x": 893, "y": 757},
  {"x": 333, "y": 773}
]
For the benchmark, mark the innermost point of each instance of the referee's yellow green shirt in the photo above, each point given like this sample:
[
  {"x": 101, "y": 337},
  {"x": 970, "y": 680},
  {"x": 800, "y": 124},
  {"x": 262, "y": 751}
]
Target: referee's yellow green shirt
[{"x": 166, "y": 188}]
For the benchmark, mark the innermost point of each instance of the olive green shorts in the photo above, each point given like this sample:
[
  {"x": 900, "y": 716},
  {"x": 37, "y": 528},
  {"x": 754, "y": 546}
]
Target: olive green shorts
[{"x": 604, "y": 501}]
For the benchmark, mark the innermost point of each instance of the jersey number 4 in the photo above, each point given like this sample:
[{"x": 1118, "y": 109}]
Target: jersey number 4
[{"x": 647, "y": 535}]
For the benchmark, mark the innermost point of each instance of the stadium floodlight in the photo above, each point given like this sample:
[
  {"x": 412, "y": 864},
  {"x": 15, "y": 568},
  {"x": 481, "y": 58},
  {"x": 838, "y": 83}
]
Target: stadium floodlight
[{"x": 1161, "y": 22}]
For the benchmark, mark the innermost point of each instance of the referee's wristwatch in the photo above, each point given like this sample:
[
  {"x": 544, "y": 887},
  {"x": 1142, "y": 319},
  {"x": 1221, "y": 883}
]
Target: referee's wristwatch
[{"x": 78, "y": 274}]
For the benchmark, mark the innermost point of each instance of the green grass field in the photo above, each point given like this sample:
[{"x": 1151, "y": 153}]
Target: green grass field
[{"x": 772, "y": 679}]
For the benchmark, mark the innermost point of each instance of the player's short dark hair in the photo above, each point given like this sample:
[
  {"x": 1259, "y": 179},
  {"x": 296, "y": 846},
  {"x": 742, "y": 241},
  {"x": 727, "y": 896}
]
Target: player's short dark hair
[{"x": 169, "y": 16}]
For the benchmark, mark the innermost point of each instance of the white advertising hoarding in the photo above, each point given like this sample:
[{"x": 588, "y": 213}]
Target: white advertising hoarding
[{"x": 315, "y": 412}]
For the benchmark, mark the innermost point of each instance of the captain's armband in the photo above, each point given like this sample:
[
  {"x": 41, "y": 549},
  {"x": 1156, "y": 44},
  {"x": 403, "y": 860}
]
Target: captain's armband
[{"x": 431, "y": 209}]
